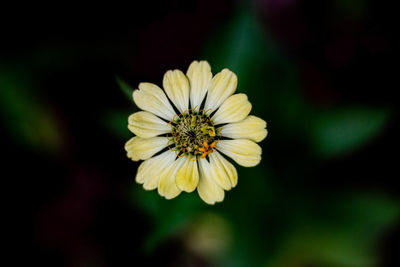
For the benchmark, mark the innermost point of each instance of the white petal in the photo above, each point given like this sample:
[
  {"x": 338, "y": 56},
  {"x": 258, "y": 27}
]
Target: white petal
[
  {"x": 243, "y": 151},
  {"x": 222, "y": 86},
  {"x": 187, "y": 177},
  {"x": 225, "y": 173},
  {"x": 150, "y": 170},
  {"x": 252, "y": 128},
  {"x": 209, "y": 191},
  {"x": 151, "y": 98},
  {"x": 138, "y": 148},
  {"x": 167, "y": 186},
  {"x": 146, "y": 124},
  {"x": 234, "y": 109},
  {"x": 199, "y": 74},
  {"x": 176, "y": 85}
]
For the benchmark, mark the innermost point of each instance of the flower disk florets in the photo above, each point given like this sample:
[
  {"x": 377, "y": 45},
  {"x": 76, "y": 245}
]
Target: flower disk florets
[{"x": 193, "y": 133}]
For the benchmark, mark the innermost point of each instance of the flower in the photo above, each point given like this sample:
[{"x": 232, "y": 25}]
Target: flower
[{"x": 181, "y": 146}]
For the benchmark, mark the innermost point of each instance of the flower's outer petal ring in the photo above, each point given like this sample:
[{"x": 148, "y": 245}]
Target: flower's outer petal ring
[
  {"x": 221, "y": 87},
  {"x": 151, "y": 170},
  {"x": 151, "y": 98},
  {"x": 146, "y": 124},
  {"x": 199, "y": 75},
  {"x": 235, "y": 108},
  {"x": 243, "y": 151},
  {"x": 176, "y": 85},
  {"x": 252, "y": 128},
  {"x": 225, "y": 173},
  {"x": 209, "y": 191},
  {"x": 138, "y": 148}
]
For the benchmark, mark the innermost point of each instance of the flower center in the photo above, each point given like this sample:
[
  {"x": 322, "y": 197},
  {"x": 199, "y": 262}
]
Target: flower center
[{"x": 193, "y": 134}]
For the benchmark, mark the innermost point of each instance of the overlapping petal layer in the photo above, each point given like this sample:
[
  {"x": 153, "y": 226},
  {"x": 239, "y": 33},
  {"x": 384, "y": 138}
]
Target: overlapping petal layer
[
  {"x": 199, "y": 75},
  {"x": 243, "y": 151},
  {"x": 187, "y": 177},
  {"x": 252, "y": 128},
  {"x": 176, "y": 85},
  {"x": 150, "y": 170},
  {"x": 234, "y": 109},
  {"x": 151, "y": 98},
  {"x": 209, "y": 191},
  {"x": 138, "y": 148},
  {"x": 225, "y": 173},
  {"x": 222, "y": 86},
  {"x": 146, "y": 124},
  {"x": 167, "y": 186}
]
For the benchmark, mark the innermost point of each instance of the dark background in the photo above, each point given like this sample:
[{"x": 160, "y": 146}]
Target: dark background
[{"x": 321, "y": 73}]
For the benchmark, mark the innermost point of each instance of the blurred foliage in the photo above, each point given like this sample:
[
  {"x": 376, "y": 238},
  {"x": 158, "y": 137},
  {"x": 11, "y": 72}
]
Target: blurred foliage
[
  {"x": 117, "y": 123},
  {"x": 126, "y": 89},
  {"x": 168, "y": 216},
  {"x": 28, "y": 118},
  {"x": 344, "y": 236},
  {"x": 343, "y": 130}
]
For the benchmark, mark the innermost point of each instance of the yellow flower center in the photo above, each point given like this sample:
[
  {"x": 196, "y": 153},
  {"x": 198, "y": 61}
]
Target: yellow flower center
[{"x": 193, "y": 134}]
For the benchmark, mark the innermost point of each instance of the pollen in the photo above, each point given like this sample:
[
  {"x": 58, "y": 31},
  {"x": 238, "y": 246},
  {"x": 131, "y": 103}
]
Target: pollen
[
  {"x": 207, "y": 149},
  {"x": 205, "y": 144}
]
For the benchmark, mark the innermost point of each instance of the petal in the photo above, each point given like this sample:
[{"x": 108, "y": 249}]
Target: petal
[
  {"x": 222, "y": 86},
  {"x": 150, "y": 97},
  {"x": 150, "y": 170},
  {"x": 167, "y": 186},
  {"x": 146, "y": 124},
  {"x": 243, "y": 151},
  {"x": 225, "y": 173},
  {"x": 138, "y": 148},
  {"x": 199, "y": 74},
  {"x": 176, "y": 85},
  {"x": 252, "y": 128},
  {"x": 187, "y": 177},
  {"x": 234, "y": 109},
  {"x": 209, "y": 191}
]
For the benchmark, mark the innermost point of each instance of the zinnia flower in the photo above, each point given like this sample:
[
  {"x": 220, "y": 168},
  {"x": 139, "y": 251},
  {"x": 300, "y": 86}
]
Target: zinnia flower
[{"x": 181, "y": 145}]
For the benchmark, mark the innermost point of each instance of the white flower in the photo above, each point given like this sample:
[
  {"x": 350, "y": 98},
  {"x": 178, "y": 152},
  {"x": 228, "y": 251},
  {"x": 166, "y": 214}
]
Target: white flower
[{"x": 181, "y": 145}]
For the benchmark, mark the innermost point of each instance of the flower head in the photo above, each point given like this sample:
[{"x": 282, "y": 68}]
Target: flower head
[{"x": 181, "y": 144}]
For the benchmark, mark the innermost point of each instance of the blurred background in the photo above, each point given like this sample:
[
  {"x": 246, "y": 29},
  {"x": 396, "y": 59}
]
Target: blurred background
[{"x": 319, "y": 72}]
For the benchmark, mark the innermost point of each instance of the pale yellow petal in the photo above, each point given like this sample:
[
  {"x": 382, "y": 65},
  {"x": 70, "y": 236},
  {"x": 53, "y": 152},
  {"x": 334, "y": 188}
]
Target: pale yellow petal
[
  {"x": 234, "y": 109},
  {"x": 187, "y": 177},
  {"x": 167, "y": 185},
  {"x": 225, "y": 173},
  {"x": 209, "y": 191},
  {"x": 199, "y": 75},
  {"x": 146, "y": 124},
  {"x": 150, "y": 97},
  {"x": 150, "y": 170},
  {"x": 243, "y": 151},
  {"x": 252, "y": 128},
  {"x": 138, "y": 148},
  {"x": 176, "y": 85},
  {"x": 221, "y": 87}
]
